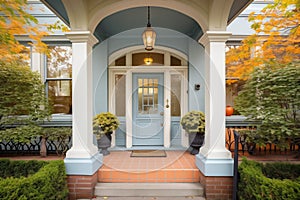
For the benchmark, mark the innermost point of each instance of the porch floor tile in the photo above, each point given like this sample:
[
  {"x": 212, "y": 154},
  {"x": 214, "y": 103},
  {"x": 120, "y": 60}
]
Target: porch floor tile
[{"x": 177, "y": 166}]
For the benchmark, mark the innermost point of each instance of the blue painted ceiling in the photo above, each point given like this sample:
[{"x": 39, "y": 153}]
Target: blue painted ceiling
[{"x": 137, "y": 18}]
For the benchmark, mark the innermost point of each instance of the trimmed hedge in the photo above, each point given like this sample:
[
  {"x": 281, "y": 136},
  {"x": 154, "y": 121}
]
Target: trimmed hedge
[
  {"x": 49, "y": 182},
  {"x": 19, "y": 168},
  {"x": 254, "y": 184},
  {"x": 282, "y": 170}
]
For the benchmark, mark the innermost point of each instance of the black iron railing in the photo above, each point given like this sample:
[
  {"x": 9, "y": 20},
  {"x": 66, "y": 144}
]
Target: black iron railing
[{"x": 58, "y": 147}]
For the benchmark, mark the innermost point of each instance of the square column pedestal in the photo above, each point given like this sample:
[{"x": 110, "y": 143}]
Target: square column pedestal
[{"x": 216, "y": 177}]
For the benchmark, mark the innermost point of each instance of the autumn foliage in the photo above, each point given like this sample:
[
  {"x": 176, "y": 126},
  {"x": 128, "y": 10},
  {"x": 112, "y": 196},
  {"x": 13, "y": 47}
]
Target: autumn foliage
[
  {"x": 276, "y": 40},
  {"x": 15, "y": 20}
]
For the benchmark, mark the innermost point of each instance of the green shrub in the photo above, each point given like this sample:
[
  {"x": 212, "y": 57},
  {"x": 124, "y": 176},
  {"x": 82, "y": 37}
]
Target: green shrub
[
  {"x": 254, "y": 184},
  {"x": 19, "y": 168},
  {"x": 271, "y": 96},
  {"x": 282, "y": 170},
  {"x": 48, "y": 183}
]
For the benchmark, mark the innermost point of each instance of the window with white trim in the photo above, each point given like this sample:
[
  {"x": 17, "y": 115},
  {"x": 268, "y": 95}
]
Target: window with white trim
[{"x": 58, "y": 78}]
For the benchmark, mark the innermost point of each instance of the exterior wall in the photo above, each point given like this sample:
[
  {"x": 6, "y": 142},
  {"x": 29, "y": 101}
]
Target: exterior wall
[
  {"x": 196, "y": 76},
  {"x": 100, "y": 75}
]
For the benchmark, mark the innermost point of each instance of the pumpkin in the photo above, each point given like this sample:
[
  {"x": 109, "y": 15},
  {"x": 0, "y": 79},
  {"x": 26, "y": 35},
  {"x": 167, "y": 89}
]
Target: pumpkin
[{"x": 229, "y": 110}]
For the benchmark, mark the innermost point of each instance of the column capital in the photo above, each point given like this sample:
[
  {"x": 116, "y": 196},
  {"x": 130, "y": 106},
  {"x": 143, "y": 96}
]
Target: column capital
[
  {"x": 214, "y": 36},
  {"x": 82, "y": 36}
]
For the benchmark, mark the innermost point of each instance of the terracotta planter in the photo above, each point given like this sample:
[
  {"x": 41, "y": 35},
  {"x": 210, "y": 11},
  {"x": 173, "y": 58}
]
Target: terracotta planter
[
  {"x": 104, "y": 143},
  {"x": 229, "y": 110},
  {"x": 196, "y": 140}
]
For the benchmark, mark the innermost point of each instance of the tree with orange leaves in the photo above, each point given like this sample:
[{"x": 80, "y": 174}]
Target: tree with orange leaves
[
  {"x": 15, "y": 20},
  {"x": 275, "y": 42}
]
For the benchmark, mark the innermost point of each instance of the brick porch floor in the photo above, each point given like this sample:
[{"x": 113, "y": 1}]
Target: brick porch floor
[{"x": 177, "y": 166}]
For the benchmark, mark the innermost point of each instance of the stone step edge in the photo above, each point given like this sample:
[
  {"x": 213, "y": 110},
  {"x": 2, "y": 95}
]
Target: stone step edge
[{"x": 149, "y": 189}]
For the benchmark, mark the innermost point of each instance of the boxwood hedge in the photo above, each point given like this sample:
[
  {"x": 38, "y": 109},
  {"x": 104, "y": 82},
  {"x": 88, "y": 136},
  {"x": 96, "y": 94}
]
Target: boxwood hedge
[
  {"x": 37, "y": 180},
  {"x": 274, "y": 185}
]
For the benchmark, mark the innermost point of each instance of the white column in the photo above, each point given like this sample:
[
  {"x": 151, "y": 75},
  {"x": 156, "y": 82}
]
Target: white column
[
  {"x": 83, "y": 157},
  {"x": 214, "y": 158}
]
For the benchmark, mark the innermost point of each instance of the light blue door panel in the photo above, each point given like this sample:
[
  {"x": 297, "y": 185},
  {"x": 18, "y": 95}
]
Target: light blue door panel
[
  {"x": 148, "y": 132},
  {"x": 175, "y": 132},
  {"x": 147, "y": 109}
]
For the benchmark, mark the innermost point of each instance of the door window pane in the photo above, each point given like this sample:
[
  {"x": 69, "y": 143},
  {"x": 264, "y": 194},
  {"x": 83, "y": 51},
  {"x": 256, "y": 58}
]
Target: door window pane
[
  {"x": 175, "y": 95},
  {"x": 120, "y": 93},
  {"x": 147, "y": 96}
]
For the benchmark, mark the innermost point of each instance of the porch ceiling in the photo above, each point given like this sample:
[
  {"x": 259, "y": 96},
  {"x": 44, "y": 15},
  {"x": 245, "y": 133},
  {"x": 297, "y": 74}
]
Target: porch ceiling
[{"x": 137, "y": 17}]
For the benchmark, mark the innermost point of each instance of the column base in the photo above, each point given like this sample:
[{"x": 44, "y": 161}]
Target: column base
[
  {"x": 82, "y": 186},
  {"x": 217, "y": 187},
  {"x": 83, "y": 166},
  {"x": 214, "y": 167}
]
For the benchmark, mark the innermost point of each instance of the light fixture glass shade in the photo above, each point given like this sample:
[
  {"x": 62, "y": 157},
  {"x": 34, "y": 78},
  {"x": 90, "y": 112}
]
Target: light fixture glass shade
[
  {"x": 149, "y": 37},
  {"x": 148, "y": 61}
]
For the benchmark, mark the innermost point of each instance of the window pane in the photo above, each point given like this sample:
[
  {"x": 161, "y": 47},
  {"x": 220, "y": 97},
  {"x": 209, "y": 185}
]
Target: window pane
[
  {"x": 139, "y": 59},
  {"x": 120, "y": 92},
  {"x": 60, "y": 95},
  {"x": 175, "y": 95},
  {"x": 148, "y": 96},
  {"x": 59, "y": 62},
  {"x": 26, "y": 56},
  {"x": 175, "y": 61},
  {"x": 121, "y": 61}
]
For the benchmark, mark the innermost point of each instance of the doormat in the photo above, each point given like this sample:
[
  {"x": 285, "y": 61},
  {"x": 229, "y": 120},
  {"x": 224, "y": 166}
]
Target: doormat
[{"x": 148, "y": 153}]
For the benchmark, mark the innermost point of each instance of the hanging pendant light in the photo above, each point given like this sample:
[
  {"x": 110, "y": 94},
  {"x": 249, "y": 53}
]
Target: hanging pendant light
[{"x": 149, "y": 35}]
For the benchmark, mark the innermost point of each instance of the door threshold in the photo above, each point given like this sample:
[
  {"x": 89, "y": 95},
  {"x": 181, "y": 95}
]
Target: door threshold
[{"x": 123, "y": 148}]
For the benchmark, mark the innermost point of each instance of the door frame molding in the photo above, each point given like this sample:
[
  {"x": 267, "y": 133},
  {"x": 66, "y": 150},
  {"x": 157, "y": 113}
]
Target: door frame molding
[{"x": 167, "y": 71}]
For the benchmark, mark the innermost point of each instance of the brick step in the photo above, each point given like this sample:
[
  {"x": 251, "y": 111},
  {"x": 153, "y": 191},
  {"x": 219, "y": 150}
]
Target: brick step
[
  {"x": 148, "y": 189},
  {"x": 107, "y": 175}
]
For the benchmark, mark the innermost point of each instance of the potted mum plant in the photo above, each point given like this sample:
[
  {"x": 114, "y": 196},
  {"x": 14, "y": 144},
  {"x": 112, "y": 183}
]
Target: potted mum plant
[
  {"x": 194, "y": 124},
  {"x": 104, "y": 124}
]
